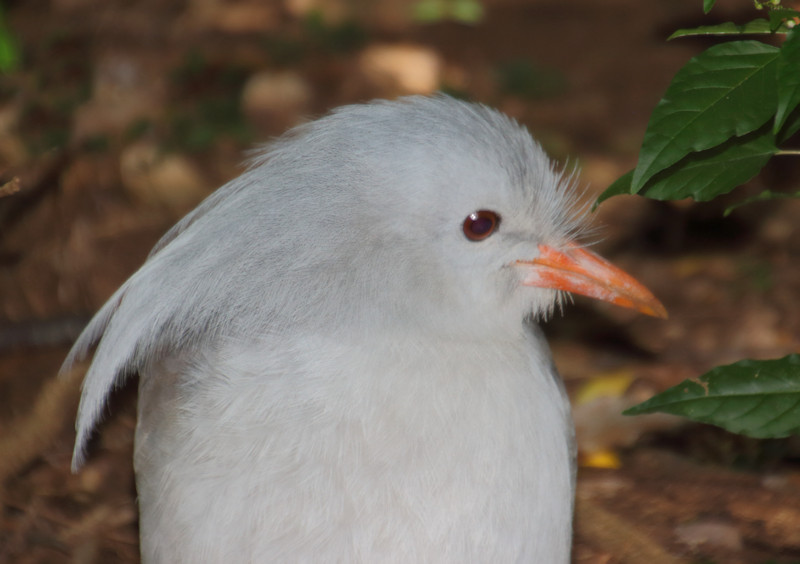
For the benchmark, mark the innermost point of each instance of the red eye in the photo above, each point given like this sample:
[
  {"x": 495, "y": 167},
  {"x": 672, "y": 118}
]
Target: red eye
[{"x": 480, "y": 224}]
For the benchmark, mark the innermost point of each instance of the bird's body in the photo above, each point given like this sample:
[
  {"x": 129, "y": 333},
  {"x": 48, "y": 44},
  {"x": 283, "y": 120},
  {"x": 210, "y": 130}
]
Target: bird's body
[
  {"x": 336, "y": 366},
  {"x": 370, "y": 454}
]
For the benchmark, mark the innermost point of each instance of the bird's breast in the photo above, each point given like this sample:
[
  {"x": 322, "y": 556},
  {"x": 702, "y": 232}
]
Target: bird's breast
[{"x": 398, "y": 450}]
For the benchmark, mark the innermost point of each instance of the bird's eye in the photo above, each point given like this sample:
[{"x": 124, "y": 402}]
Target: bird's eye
[{"x": 480, "y": 224}]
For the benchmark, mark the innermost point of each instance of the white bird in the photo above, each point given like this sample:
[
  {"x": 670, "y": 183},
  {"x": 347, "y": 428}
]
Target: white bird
[{"x": 337, "y": 352}]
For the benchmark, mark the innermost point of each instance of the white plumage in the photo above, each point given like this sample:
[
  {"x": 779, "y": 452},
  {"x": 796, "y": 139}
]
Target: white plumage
[{"x": 331, "y": 371}]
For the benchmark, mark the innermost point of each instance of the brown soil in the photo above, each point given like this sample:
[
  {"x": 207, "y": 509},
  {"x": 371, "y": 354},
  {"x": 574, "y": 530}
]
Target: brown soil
[{"x": 101, "y": 83}]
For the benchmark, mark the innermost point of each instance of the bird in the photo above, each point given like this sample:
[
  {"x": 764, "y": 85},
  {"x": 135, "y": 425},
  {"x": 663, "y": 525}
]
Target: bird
[{"x": 339, "y": 353}]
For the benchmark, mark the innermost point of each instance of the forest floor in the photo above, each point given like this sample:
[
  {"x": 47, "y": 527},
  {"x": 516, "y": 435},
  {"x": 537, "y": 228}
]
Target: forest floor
[{"x": 123, "y": 115}]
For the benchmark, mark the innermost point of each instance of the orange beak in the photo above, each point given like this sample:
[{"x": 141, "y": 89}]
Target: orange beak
[{"x": 579, "y": 271}]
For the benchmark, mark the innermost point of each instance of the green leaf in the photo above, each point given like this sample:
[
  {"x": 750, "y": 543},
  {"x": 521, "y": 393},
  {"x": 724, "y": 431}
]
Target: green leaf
[
  {"x": 464, "y": 11},
  {"x": 728, "y": 90},
  {"x": 788, "y": 72},
  {"x": 791, "y": 126},
  {"x": 428, "y": 11},
  {"x": 777, "y": 19},
  {"x": 9, "y": 51},
  {"x": 467, "y": 11},
  {"x": 763, "y": 196},
  {"x": 759, "y": 398},
  {"x": 707, "y": 174},
  {"x": 621, "y": 185},
  {"x": 707, "y": 5},
  {"x": 759, "y": 26}
]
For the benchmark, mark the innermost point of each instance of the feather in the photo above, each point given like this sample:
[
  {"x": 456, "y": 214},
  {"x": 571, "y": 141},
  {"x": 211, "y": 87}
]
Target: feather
[{"x": 331, "y": 371}]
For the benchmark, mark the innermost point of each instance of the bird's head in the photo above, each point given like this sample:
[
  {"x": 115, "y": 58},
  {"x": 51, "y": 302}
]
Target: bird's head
[
  {"x": 454, "y": 215},
  {"x": 426, "y": 212}
]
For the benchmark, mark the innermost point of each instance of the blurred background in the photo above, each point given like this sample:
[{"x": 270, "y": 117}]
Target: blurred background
[{"x": 119, "y": 116}]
